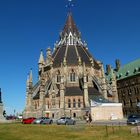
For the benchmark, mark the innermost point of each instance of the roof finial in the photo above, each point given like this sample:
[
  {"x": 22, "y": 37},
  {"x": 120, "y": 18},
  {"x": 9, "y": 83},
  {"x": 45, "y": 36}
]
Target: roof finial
[{"x": 69, "y": 5}]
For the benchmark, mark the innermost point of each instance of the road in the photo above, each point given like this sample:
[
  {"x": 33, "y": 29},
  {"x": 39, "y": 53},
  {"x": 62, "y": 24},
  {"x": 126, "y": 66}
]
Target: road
[{"x": 109, "y": 123}]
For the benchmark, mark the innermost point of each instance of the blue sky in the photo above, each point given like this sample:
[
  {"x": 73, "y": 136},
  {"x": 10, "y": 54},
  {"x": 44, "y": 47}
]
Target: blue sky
[{"x": 110, "y": 27}]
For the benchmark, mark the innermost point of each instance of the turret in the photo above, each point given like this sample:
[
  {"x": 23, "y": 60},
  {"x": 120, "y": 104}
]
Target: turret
[
  {"x": 48, "y": 56},
  {"x": 86, "y": 98},
  {"x": 117, "y": 62},
  {"x": 30, "y": 79},
  {"x": 108, "y": 69},
  {"x": 104, "y": 85},
  {"x": 114, "y": 86},
  {"x": 28, "y": 107},
  {"x": 41, "y": 61}
]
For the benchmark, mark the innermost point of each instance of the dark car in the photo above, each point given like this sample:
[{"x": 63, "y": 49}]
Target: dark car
[
  {"x": 133, "y": 119},
  {"x": 43, "y": 120},
  {"x": 66, "y": 121},
  {"x": 11, "y": 117},
  {"x": 28, "y": 120}
]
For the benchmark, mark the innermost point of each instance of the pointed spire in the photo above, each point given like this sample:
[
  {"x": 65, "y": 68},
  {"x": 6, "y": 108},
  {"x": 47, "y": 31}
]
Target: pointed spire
[
  {"x": 27, "y": 81},
  {"x": 41, "y": 58},
  {"x": 70, "y": 26},
  {"x": 30, "y": 76}
]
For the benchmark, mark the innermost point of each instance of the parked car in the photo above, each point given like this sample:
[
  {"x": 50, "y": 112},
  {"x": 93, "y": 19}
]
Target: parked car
[
  {"x": 133, "y": 119},
  {"x": 11, "y": 117},
  {"x": 43, "y": 120},
  {"x": 66, "y": 121},
  {"x": 28, "y": 120}
]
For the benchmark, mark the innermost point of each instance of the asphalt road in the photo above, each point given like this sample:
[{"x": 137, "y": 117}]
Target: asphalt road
[{"x": 109, "y": 123}]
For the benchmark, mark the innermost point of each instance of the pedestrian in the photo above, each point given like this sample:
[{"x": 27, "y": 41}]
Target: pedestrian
[{"x": 90, "y": 118}]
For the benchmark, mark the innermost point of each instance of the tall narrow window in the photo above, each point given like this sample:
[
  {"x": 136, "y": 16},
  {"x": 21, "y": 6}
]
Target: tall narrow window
[
  {"x": 87, "y": 78},
  {"x": 69, "y": 103},
  {"x": 72, "y": 76},
  {"x": 48, "y": 105},
  {"x": 71, "y": 40},
  {"x": 74, "y": 115},
  {"x": 74, "y": 103},
  {"x": 58, "y": 77},
  {"x": 35, "y": 106},
  {"x": 124, "y": 103},
  {"x": 137, "y": 90},
  {"x": 138, "y": 100},
  {"x": 59, "y": 103},
  {"x": 131, "y": 103},
  {"x": 79, "y": 103}
]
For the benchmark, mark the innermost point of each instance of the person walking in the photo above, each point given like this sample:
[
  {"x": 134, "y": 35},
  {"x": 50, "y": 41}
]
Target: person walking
[{"x": 90, "y": 118}]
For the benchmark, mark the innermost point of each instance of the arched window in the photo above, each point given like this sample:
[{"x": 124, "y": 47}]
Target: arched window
[
  {"x": 74, "y": 115},
  {"x": 79, "y": 103},
  {"x": 74, "y": 103},
  {"x": 52, "y": 115},
  {"x": 69, "y": 103},
  {"x": 72, "y": 76}
]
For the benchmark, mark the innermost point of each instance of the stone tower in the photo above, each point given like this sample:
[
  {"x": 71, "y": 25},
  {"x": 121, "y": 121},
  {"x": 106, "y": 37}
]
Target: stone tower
[{"x": 68, "y": 79}]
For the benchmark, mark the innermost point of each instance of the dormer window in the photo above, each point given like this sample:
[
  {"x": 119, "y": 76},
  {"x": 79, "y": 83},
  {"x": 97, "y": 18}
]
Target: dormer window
[{"x": 70, "y": 39}]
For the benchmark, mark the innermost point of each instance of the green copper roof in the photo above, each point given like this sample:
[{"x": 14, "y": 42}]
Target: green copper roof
[{"x": 130, "y": 69}]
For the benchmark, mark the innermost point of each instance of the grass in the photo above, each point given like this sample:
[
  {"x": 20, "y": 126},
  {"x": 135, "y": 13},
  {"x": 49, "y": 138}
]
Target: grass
[{"x": 54, "y": 132}]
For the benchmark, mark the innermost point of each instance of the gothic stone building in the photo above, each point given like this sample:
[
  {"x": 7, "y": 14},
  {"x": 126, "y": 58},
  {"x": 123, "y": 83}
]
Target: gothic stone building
[
  {"x": 67, "y": 79},
  {"x": 128, "y": 85}
]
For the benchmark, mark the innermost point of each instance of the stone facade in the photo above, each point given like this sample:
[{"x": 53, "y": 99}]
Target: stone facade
[
  {"x": 107, "y": 111},
  {"x": 128, "y": 85},
  {"x": 67, "y": 79},
  {"x": 129, "y": 94}
]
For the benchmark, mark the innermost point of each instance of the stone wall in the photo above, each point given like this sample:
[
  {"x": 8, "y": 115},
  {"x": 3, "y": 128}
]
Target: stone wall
[{"x": 107, "y": 111}]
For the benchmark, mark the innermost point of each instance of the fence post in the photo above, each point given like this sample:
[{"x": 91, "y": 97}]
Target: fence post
[
  {"x": 106, "y": 130},
  {"x": 113, "y": 129}
]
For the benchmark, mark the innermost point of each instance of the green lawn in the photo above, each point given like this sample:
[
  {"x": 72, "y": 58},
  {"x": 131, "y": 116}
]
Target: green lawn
[{"x": 54, "y": 132}]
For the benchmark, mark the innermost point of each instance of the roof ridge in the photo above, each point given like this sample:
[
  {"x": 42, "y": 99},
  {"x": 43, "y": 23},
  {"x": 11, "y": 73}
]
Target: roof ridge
[{"x": 130, "y": 63}]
